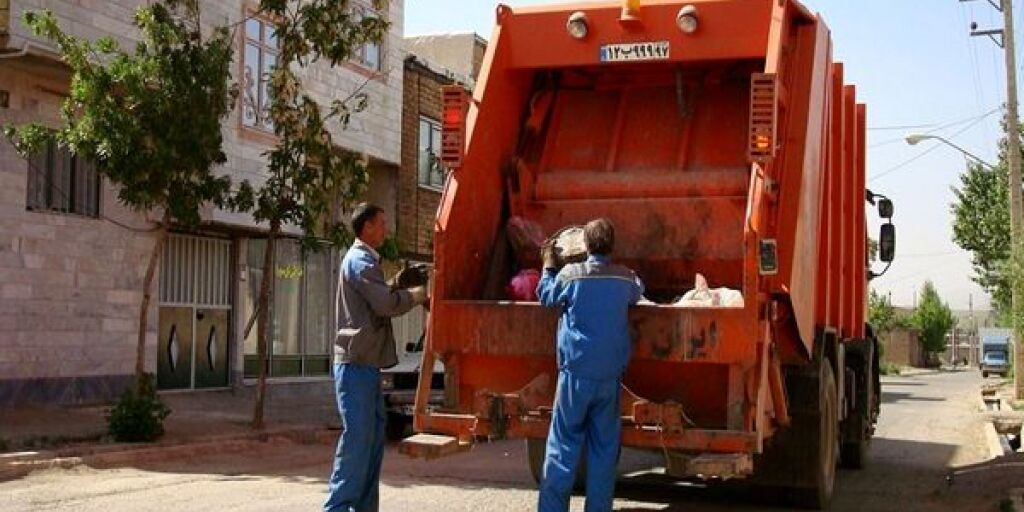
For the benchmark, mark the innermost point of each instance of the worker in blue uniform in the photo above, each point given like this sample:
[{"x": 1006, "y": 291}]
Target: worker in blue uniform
[
  {"x": 365, "y": 343},
  {"x": 593, "y": 350}
]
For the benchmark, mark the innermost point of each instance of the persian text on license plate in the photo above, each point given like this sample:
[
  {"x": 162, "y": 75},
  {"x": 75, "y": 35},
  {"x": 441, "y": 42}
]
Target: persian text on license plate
[{"x": 624, "y": 52}]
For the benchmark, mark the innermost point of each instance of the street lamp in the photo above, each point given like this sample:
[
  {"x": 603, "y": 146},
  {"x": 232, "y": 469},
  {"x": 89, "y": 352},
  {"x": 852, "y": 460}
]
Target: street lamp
[{"x": 916, "y": 138}]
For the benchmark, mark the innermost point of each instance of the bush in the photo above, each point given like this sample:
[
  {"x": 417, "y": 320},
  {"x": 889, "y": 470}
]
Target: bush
[
  {"x": 139, "y": 415},
  {"x": 887, "y": 368}
]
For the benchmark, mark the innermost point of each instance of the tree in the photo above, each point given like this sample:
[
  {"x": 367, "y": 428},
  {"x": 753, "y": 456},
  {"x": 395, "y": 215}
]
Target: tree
[
  {"x": 881, "y": 314},
  {"x": 933, "y": 319},
  {"x": 149, "y": 119},
  {"x": 308, "y": 180},
  {"x": 982, "y": 226}
]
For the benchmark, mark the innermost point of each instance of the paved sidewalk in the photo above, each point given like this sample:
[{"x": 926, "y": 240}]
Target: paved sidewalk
[{"x": 33, "y": 437}]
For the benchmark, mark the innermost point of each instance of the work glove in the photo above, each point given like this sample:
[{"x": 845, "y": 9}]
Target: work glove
[
  {"x": 549, "y": 256},
  {"x": 419, "y": 295}
]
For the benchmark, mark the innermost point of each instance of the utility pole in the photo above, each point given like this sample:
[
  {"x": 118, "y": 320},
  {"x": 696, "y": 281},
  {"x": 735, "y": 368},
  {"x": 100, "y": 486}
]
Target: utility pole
[{"x": 1006, "y": 41}]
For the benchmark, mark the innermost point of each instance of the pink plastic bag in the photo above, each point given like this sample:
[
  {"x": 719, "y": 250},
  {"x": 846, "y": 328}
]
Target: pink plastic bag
[{"x": 523, "y": 286}]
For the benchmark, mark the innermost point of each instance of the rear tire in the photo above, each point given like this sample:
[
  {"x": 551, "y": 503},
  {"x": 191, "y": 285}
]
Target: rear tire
[
  {"x": 535, "y": 449},
  {"x": 799, "y": 467},
  {"x": 395, "y": 426},
  {"x": 819, "y": 496}
]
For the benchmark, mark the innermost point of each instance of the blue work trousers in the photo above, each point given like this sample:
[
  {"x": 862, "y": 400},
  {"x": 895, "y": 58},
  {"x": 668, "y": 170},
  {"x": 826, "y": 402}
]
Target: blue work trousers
[
  {"x": 586, "y": 411},
  {"x": 355, "y": 483}
]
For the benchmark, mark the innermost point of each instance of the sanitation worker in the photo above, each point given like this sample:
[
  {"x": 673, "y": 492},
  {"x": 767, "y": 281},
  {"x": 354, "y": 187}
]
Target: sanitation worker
[
  {"x": 364, "y": 345},
  {"x": 593, "y": 350}
]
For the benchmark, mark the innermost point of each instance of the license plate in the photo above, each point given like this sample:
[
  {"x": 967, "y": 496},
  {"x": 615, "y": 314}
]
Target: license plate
[{"x": 627, "y": 52}]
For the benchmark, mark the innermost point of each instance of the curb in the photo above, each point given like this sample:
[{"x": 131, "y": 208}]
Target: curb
[
  {"x": 995, "y": 448},
  {"x": 122, "y": 454}
]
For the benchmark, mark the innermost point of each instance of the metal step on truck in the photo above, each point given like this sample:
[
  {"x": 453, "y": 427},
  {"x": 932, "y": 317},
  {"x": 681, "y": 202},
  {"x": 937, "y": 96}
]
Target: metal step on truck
[{"x": 720, "y": 138}]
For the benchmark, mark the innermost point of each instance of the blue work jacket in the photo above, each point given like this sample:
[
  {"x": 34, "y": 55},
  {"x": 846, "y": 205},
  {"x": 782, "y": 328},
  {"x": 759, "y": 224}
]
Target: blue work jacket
[{"x": 593, "y": 330}]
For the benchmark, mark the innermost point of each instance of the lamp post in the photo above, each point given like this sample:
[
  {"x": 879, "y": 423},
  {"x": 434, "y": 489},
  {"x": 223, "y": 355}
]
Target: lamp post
[{"x": 915, "y": 139}]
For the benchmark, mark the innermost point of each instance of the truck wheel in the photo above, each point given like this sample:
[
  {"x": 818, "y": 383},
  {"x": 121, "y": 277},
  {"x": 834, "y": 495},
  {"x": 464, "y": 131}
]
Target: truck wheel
[
  {"x": 394, "y": 427},
  {"x": 798, "y": 468},
  {"x": 856, "y": 429},
  {"x": 535, "y": 455},
  {"x": 819, "y": 496}
]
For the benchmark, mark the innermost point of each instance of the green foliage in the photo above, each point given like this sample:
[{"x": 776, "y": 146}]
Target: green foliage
[
  {"x": 881, "y": 314},
  {"x": 390, "y": 250},
  {"x": 887, "y": 368},
  {"x": 150, "y": 119},
  {"x": 872, "y": 250},
  {"x": 981, "y": 225},
  {"x": 933, "y": 319},
  {"x": 139, "y": 415}
]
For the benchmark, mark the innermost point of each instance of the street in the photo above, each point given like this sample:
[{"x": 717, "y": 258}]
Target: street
[{"x": 928, "y": 424}]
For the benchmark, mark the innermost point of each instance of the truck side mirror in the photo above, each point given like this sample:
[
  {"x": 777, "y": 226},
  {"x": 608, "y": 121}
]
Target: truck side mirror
[
  {"x": 887, "y": 242},
  {"x": 885, "y": 208}
]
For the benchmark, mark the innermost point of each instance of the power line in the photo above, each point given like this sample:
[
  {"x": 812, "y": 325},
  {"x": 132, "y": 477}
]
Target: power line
[
  {"x": 923, "y": 153},
  {"x": 938, "y": 128}
]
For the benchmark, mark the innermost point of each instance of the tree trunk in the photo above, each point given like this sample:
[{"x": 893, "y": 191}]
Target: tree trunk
[
  {"x": 147, "y": 294},
  {"x": 264, "y": 322}
]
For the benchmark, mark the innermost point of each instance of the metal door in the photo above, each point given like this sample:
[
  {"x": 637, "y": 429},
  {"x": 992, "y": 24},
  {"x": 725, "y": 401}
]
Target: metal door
[
  {"x": 174, "y": 356},
  {"x": 211, "y": 348},
  {"x": 195, "y": 307}
]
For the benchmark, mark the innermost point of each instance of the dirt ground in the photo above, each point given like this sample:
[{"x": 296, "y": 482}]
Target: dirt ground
[{"x": 930, "y": 426}]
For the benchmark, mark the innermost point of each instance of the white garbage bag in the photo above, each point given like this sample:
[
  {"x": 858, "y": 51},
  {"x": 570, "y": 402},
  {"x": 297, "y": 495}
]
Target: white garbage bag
[{"x": 704, "y": 297}]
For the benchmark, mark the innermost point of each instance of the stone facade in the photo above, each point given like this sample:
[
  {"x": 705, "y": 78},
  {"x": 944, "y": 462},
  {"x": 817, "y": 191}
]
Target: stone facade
[{"x": 70, "y": 286}]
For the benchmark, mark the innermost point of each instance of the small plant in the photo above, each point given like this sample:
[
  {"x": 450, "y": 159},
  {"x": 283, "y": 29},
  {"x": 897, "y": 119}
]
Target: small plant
[
  {"x": 139, "y": 415},
  {"x": 887, "y": 368},
  {"x": 4, "y": 445}
]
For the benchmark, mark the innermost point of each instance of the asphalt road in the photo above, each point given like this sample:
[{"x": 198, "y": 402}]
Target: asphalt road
[{"x": 929, "y": 424}]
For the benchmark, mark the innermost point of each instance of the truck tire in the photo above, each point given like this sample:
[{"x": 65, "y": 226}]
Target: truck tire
[
  {"x": 859, "y": 424},
  {"x": 799, "y": 467},
  {"x": 819, "y": 496},
  {"x": 394, "y": 426},
  {"x": 535, "y": 456}
]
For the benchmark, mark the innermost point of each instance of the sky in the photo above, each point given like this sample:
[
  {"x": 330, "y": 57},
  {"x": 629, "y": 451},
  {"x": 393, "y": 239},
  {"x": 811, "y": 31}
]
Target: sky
[{"x": 918, "y": 69}]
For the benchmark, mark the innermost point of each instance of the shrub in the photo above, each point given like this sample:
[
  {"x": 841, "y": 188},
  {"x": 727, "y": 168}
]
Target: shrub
[{"x": 139, "y": 415}]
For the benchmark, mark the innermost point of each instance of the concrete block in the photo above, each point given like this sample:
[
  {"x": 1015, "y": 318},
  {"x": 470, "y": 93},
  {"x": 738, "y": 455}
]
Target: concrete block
[
  {"x": 117, "y": 325},
  {"x": 16, "y": 291}
]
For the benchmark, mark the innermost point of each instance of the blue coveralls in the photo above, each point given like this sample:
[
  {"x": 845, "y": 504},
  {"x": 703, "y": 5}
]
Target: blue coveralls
[
  {"x": 593, "y": 350},
  {"x": 365, "y": 343}
]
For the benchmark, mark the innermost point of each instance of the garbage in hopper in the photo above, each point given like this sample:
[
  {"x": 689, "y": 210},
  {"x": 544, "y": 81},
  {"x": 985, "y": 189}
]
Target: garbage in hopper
[{"x": 703, "y": 296}]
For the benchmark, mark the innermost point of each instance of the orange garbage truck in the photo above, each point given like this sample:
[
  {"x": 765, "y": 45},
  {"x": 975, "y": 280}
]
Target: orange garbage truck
[{"x": 720, "y": 139}]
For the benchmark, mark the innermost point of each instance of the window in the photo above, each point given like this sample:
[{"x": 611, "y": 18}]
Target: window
[
  {"x": 62, "y": 182},
  {"x": 258, "y": 60},
  {"x": 431, "y": 173},
  {"x": 370, "y": 55},
  {"x": 300, "y": 341}
]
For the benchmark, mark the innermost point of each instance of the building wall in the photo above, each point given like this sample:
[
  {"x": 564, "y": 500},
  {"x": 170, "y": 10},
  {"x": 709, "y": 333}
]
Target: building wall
[
  {"x": 70, "y": 287},
  {"x": 458, "y": 54},
  {"x": 417, "y": 204},
  {"x": 902, "y": 347},
  {"x": 375, "y": 131}
]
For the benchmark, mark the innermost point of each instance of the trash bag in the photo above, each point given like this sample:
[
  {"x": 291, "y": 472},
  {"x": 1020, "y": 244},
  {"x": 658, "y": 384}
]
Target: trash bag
[
  {"x": 570, "y": 245},
  {"x": 525, "y": 236},
  {"x": 523, "y": 286},
  {"x": 702, "y": 296}
]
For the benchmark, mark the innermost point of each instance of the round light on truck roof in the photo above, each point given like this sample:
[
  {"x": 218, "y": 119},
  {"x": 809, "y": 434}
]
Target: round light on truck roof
[
  {"x": 577, "y": 25},
  {"x": 687, "y": 19}
]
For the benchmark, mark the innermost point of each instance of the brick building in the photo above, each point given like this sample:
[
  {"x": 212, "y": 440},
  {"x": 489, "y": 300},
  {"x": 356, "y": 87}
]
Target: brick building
[
  {"x": 72, "y": 260},
  {"x": 433, "y": 62}
]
